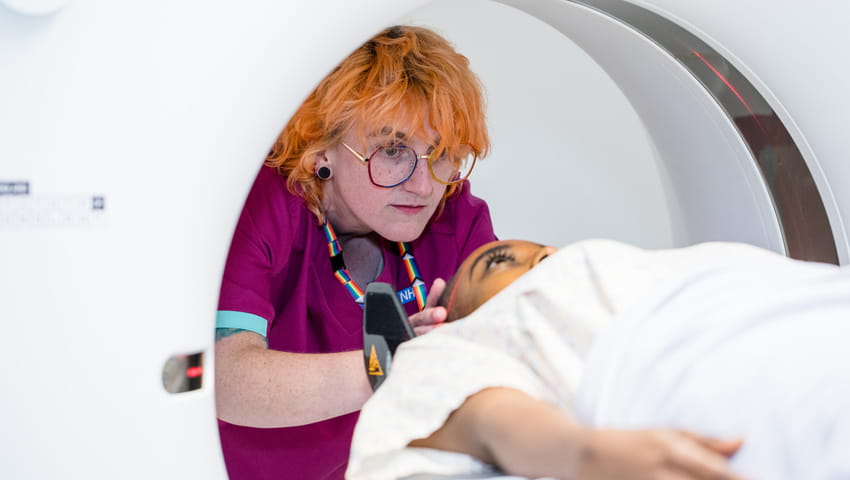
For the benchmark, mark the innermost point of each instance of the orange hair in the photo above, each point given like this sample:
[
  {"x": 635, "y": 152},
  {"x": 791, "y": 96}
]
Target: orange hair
[{"x": 404, "y": 76}]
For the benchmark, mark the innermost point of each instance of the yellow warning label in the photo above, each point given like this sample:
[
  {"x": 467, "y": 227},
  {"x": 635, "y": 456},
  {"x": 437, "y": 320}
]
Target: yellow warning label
[{"x": 374, "y": 364}]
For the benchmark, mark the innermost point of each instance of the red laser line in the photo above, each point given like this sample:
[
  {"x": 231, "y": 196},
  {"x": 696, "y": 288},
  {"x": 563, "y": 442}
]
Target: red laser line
[{"x": 730, "y": 87}]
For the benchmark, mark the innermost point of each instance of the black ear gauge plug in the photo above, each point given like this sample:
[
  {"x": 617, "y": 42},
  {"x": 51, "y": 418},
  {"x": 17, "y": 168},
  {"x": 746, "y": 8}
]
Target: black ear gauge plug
[{"x": 385, "y": 327}]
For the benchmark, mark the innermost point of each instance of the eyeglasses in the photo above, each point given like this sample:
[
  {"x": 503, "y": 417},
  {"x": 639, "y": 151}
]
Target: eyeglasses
[{"x": 393, "y": 165}]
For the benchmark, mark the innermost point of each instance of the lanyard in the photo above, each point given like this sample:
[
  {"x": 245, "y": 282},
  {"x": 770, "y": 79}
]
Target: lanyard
[{"x": 341, "y": 274}]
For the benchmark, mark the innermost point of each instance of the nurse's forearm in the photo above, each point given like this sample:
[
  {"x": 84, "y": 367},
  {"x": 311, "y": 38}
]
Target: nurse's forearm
[{"x": 264, "y": 388}]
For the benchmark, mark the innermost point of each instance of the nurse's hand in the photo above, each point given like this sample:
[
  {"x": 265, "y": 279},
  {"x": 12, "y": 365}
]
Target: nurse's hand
[{"x": 431, "y": 316}]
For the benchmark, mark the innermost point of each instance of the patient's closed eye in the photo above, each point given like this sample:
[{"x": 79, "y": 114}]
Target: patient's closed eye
[{"x": 497, "y": 257}]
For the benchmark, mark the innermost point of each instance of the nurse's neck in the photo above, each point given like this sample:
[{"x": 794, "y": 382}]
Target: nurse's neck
[
  {"x": 361, "y": 248},
  {"x": 340, "y": 217},
  {"x": 363, "y": 256}
]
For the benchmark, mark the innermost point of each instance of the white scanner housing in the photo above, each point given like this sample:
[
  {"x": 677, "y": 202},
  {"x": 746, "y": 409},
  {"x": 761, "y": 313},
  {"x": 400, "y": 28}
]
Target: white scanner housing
[{"x": 130, "y": 133}]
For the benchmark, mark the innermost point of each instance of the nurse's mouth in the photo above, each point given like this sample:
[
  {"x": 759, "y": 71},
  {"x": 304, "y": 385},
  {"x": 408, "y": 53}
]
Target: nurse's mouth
[{"x": 409, "y": 209}]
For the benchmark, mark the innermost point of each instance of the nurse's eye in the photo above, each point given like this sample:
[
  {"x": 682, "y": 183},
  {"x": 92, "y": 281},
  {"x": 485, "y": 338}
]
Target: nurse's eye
[
  {"x": 394, "y": 151},
  {"x": 443, "y": 160}
]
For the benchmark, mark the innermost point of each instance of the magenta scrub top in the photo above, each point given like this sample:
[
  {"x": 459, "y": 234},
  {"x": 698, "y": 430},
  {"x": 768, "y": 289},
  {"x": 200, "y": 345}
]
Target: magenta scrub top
[{"x": 278, "y": 281}]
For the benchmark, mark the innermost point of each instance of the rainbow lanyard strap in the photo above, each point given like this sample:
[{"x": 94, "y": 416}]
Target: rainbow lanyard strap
[{"x": 341, "y": 273}]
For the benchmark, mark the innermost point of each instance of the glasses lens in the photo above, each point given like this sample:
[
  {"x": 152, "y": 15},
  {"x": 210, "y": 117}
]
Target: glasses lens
[
  {"x": 454, "y": 165},
  {"x": 389, "y": 166}
]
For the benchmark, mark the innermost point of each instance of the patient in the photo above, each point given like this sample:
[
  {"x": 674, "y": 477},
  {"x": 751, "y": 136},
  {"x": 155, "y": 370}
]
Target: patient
[{"x": 723, "y": 339}]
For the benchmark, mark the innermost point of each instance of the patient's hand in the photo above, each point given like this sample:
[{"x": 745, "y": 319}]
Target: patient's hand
[
  {"x": 431, "y": 316},
  {"x": 656, "y": 454}
]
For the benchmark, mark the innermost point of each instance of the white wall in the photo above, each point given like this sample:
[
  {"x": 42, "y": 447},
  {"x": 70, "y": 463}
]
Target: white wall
[{"x": 570, "y": 157}]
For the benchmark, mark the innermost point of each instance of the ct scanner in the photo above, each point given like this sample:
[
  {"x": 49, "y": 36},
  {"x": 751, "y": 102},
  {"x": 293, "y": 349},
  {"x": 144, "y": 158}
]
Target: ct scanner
[{"x": 131, "y": 131}]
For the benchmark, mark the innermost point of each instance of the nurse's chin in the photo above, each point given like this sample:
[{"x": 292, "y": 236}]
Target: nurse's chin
[{"x": 402, "y": 231}]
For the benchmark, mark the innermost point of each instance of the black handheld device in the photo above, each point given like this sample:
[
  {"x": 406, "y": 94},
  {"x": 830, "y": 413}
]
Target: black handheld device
[{"x": 385, "y": 327}]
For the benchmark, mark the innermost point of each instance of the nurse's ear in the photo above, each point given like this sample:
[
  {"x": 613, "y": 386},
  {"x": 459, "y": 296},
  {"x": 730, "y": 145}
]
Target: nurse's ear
[{"x": 322, "y": 169}]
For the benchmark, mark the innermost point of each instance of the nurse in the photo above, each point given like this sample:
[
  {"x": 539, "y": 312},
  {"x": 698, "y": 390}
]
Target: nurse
[{"x": 367, "y": 182}]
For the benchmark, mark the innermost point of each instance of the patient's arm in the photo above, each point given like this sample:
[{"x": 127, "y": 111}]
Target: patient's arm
[{"x": 528, "y": 437}]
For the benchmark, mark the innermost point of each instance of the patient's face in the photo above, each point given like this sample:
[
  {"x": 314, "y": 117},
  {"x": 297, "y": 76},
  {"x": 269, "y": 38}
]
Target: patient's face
[{"x": 487, "y": 271}]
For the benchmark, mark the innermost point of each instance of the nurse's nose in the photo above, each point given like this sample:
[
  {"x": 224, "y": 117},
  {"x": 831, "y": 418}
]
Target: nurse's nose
[{"x": 420, "y": 181}]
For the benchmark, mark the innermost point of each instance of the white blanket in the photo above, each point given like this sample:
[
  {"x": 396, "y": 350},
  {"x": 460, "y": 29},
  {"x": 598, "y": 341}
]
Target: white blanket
[
  {"x": 761, "y": 353},
  {"x": 544, "y": 335}
]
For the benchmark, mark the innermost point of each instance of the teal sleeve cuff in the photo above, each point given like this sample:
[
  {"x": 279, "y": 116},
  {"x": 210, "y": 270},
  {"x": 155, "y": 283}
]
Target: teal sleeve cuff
[{"x": 242, "y": 321}]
